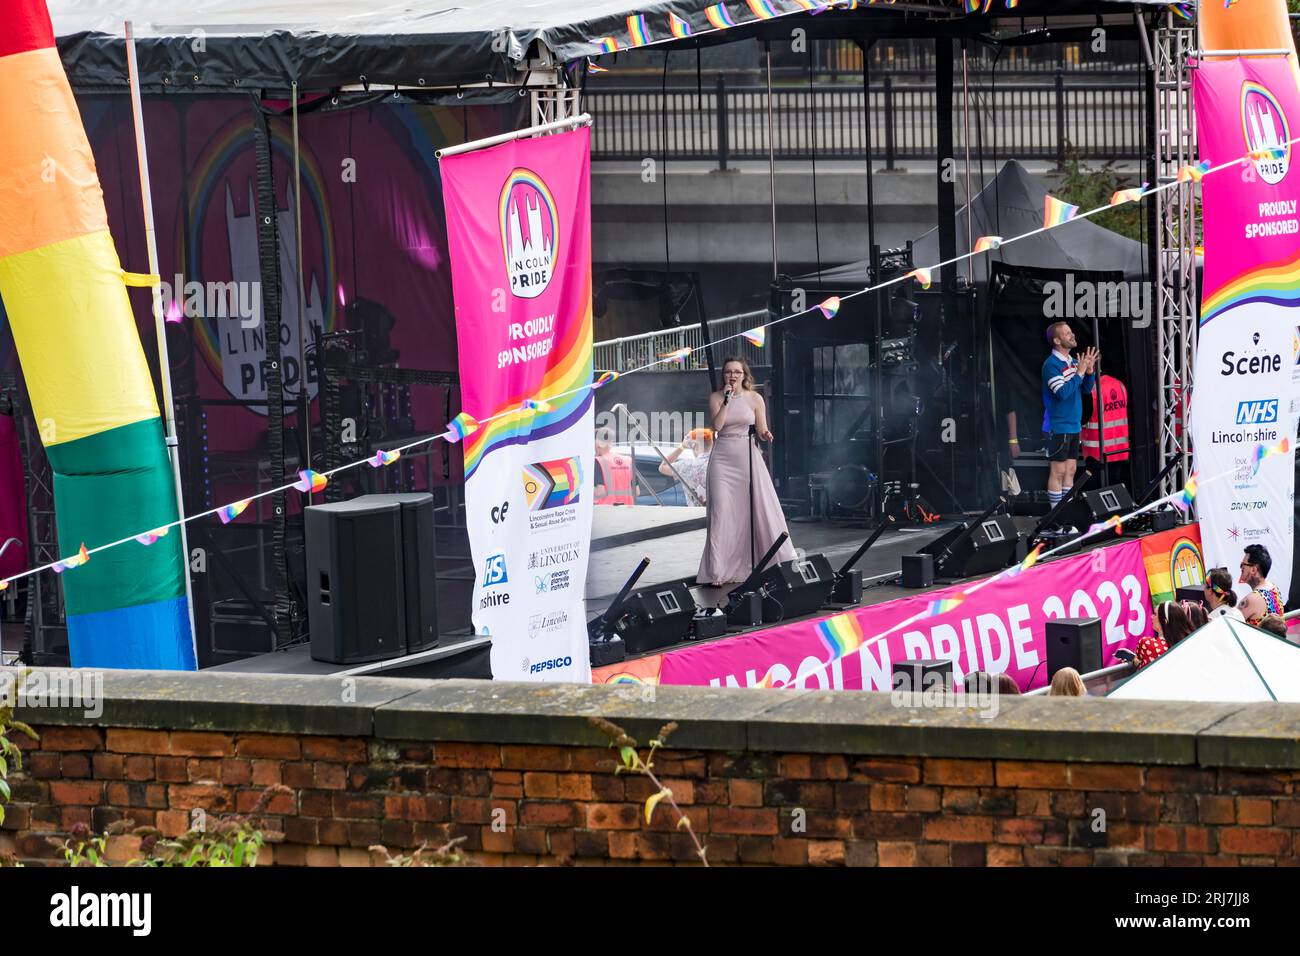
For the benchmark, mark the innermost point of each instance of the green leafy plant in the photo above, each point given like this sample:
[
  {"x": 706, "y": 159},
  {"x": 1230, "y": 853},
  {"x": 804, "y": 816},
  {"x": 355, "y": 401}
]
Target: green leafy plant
[
  {"x": 1091, "y": 186},
  {"x": 11, "y": 758},
  {"x": 633, "y": 762},
  {"x": 444, "y": 855}
]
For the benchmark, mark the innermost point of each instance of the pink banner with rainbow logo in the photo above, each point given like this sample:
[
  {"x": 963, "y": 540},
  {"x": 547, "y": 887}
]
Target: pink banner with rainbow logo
[
  {"x": 519, "y": 231},
  {"x": 1248, "y": 349}
]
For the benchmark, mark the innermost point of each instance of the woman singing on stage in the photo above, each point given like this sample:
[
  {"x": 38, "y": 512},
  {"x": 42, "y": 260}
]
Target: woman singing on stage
[{"x": 740, "y": 491}]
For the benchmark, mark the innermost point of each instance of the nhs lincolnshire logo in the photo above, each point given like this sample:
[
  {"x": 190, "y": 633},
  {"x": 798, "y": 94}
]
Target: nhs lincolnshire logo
[
  {"x": 530, "y": 233},
  {"x": 1257, "y": 412},
  {"x": 1267, "y": 132},
  {"x": 494, "y": 569}
]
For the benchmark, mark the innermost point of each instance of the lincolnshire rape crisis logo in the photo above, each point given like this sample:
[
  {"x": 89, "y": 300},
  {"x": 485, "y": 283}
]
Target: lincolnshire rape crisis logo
[
  {"x": 529, "y": 233},
  {"x": 1265, "y": 128}
]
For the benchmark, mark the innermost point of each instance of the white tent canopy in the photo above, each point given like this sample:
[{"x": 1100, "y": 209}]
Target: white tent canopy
[{"x": 1225, "y": 661}]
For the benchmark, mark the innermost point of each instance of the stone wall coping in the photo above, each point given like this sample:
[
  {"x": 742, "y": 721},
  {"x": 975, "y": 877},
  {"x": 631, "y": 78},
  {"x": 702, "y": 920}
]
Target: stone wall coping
[{"x": 1254, "y": 735}]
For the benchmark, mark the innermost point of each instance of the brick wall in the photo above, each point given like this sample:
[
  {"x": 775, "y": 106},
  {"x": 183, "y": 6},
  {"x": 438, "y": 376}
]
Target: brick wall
[{"x": 520, "y": 800}]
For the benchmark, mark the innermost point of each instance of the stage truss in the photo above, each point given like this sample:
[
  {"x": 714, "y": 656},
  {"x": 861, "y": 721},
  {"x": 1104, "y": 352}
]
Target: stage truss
[{"x": 1178, "y": 223}]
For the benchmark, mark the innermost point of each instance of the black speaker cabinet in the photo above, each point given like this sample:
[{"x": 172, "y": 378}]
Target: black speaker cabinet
[
  {"x": 918, "y": 676},
  {"x": 918, "y": 570},
  {"x": 848, "y": 589},
  {"x": 655, "y": 617},
  {"x": 1074, "y": 642},
  {"x": 1092, "y": 507},
  {"x": 747, "y": 610},
  {"x": 356, "y": 593},
  {"x": 419, "y": 566},
  {"x": 795, "y": 588},
  {"x": 611, "y": 651},
  {"x": 990, "y": 546}
]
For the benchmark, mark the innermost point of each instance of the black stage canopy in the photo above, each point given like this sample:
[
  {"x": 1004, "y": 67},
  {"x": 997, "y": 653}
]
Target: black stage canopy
[{"x": 326, "y": 44}]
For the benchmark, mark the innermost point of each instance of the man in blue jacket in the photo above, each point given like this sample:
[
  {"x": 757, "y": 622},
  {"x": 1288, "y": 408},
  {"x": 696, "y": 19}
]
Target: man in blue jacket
[{"x": 1064, "y": 382}]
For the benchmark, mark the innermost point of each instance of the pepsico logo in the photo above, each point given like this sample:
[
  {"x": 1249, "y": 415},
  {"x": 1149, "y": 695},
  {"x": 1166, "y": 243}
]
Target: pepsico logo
[
  {"x": 1186, "y": 569},
  {"x": 1264, "y": 126},
  {"x": 529, "y": 233}
]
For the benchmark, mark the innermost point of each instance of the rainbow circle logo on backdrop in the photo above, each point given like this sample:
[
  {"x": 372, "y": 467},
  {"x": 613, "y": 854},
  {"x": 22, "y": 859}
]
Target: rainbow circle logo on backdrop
[
  {"x": 1186, "y": 569},
  {"x": 530, "y": 233},
  {"x": 1264, "y": 126}
]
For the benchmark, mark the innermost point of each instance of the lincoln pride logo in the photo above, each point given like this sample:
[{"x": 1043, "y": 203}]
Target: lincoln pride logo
[
  {"x": 530, "y": 233},
  {"x": 1186, "y": 569},
  {"x": 1264, "y": 126},
  {"x": 552, "y": 484}
]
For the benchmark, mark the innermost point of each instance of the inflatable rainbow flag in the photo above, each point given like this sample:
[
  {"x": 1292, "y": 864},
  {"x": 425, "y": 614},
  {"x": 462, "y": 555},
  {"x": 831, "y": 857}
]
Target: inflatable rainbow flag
[{"x": 93, "y": 399}]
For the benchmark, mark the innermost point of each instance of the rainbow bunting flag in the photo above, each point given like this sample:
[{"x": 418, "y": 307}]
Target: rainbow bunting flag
[
  {"x": 679, "y": 27},
  {"x": 605, "y": 379},
  {"x": 228, "y": 513},
  {"x": 756, "y": 337},
  {"x": 988, "y": 5},
  {"x": 1030, "y": 560},
  {"x": 1113, "y": 521},
  {"x": 1012, "y": 4},
  {"x": 593, "y": 67},
  {"x": 310, "y": 481},
  {"x": 1056, "y": 212},
  {"x": 149, "y": 537},
  {"x": 829, "y": 307},
  {"x": 76, "y": 561},
  {"x": 4, "y": 585},
  {"x": 767, "y": 683},
  {"x": 677, "y": 355},
  {"x": 921, "y": 275},
  {"x": 986, "y": 243},
  {"x": 718, "y": 16},
  {"x": 762, "y": 9},
  {"x": 637, "y": 31},
  {"x": 1194, "y": 174},
  {"x": 383, "y": 458},
  {"x": 1183, "y": 500},
  {"x": 943, "y": 605},
  {"x": 1132, "y": 194},
  {"x": 606, "y": 44},
  {"x": 538, "y": 407},
  {"x": 461, "y": 427},
  {"x": 1182, "y": 9},
  {"x": 840, "y": 634},
  {"x": 972, "y": 6}
]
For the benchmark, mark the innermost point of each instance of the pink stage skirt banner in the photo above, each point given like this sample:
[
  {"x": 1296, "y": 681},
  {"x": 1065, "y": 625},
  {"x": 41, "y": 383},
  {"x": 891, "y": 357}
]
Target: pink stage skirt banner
[
  {"x": 519, "y": 231},
  {"x": 1000, "y": 628}
]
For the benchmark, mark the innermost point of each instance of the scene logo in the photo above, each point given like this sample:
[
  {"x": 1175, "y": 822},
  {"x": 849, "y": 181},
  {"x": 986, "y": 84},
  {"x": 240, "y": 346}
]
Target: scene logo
[
  {"x": 552, "y": 484},
  {"x": 530, "y": 233},
  {"x": 1264, "y": 126}
]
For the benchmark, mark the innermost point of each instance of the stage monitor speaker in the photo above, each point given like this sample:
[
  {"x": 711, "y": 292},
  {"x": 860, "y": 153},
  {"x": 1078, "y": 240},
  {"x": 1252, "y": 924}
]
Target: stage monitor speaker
[
  {"x": 991, "y": 546},
  {"x": 419, "y": 566},
  {"x": 922, "y": 675},
  {"x": 655, "y": 617},
  {"x": 918, "y": 570},
  {"x": 1093, "y": 507},
  {"x": 356, "y": 592},
  {"x": 1074, "y": 642},
  {"x": 848, "y": 588},
  {"x": 611, "y": 651},
  {"x": 748, "y": 610},
  {"x": 795, "y": 588}
]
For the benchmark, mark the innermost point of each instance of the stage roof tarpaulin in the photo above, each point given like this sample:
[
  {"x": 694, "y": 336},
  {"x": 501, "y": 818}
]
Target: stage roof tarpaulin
[
  {"x": 326, "y": 44},
  {"x": 1225, "y": 661},
  {"x": 1012, "y": 205}
]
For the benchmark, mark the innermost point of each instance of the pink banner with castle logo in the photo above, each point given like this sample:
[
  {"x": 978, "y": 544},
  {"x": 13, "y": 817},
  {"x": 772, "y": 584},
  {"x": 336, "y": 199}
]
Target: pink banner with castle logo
[
  {"x": 999, "y": 628},
  {"x": 519, "y": 231}
]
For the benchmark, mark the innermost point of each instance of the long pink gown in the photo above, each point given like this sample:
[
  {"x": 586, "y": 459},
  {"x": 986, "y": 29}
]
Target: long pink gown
[{"x": 727, "y": 555}]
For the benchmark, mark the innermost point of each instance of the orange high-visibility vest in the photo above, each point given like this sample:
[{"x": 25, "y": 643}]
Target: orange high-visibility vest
[
  {"x": 616, "y": 476},
  {"x": 1111, "y": 396}
]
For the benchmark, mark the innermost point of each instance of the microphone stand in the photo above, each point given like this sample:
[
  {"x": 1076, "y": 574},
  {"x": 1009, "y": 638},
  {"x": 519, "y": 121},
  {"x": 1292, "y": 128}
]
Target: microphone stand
[{"x": 749, "y": 451}]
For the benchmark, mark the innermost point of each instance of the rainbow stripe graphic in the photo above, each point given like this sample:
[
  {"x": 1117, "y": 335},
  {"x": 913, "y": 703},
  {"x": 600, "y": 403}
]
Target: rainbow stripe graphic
[
  {"x": 763, "y": 9},
  {"x": 677, "y": 26},
  {"x": 841, "y": 634},
  {"x": 637, "y": 30},
  {"x": 987, "y": 243},
  {"x": 63, "y": 290},
  {"x": 553, "y": 484},
  {"x": 718, "y": 16},
  {"x": 829, "y": 307},
  {"x": 921, "y": 275},
  {"x": 1278, "y": 283},
  {"x": 756, "y": 337},
  {"x": 943, "y": 605},
  {"x": 1055, "y": 212}
]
